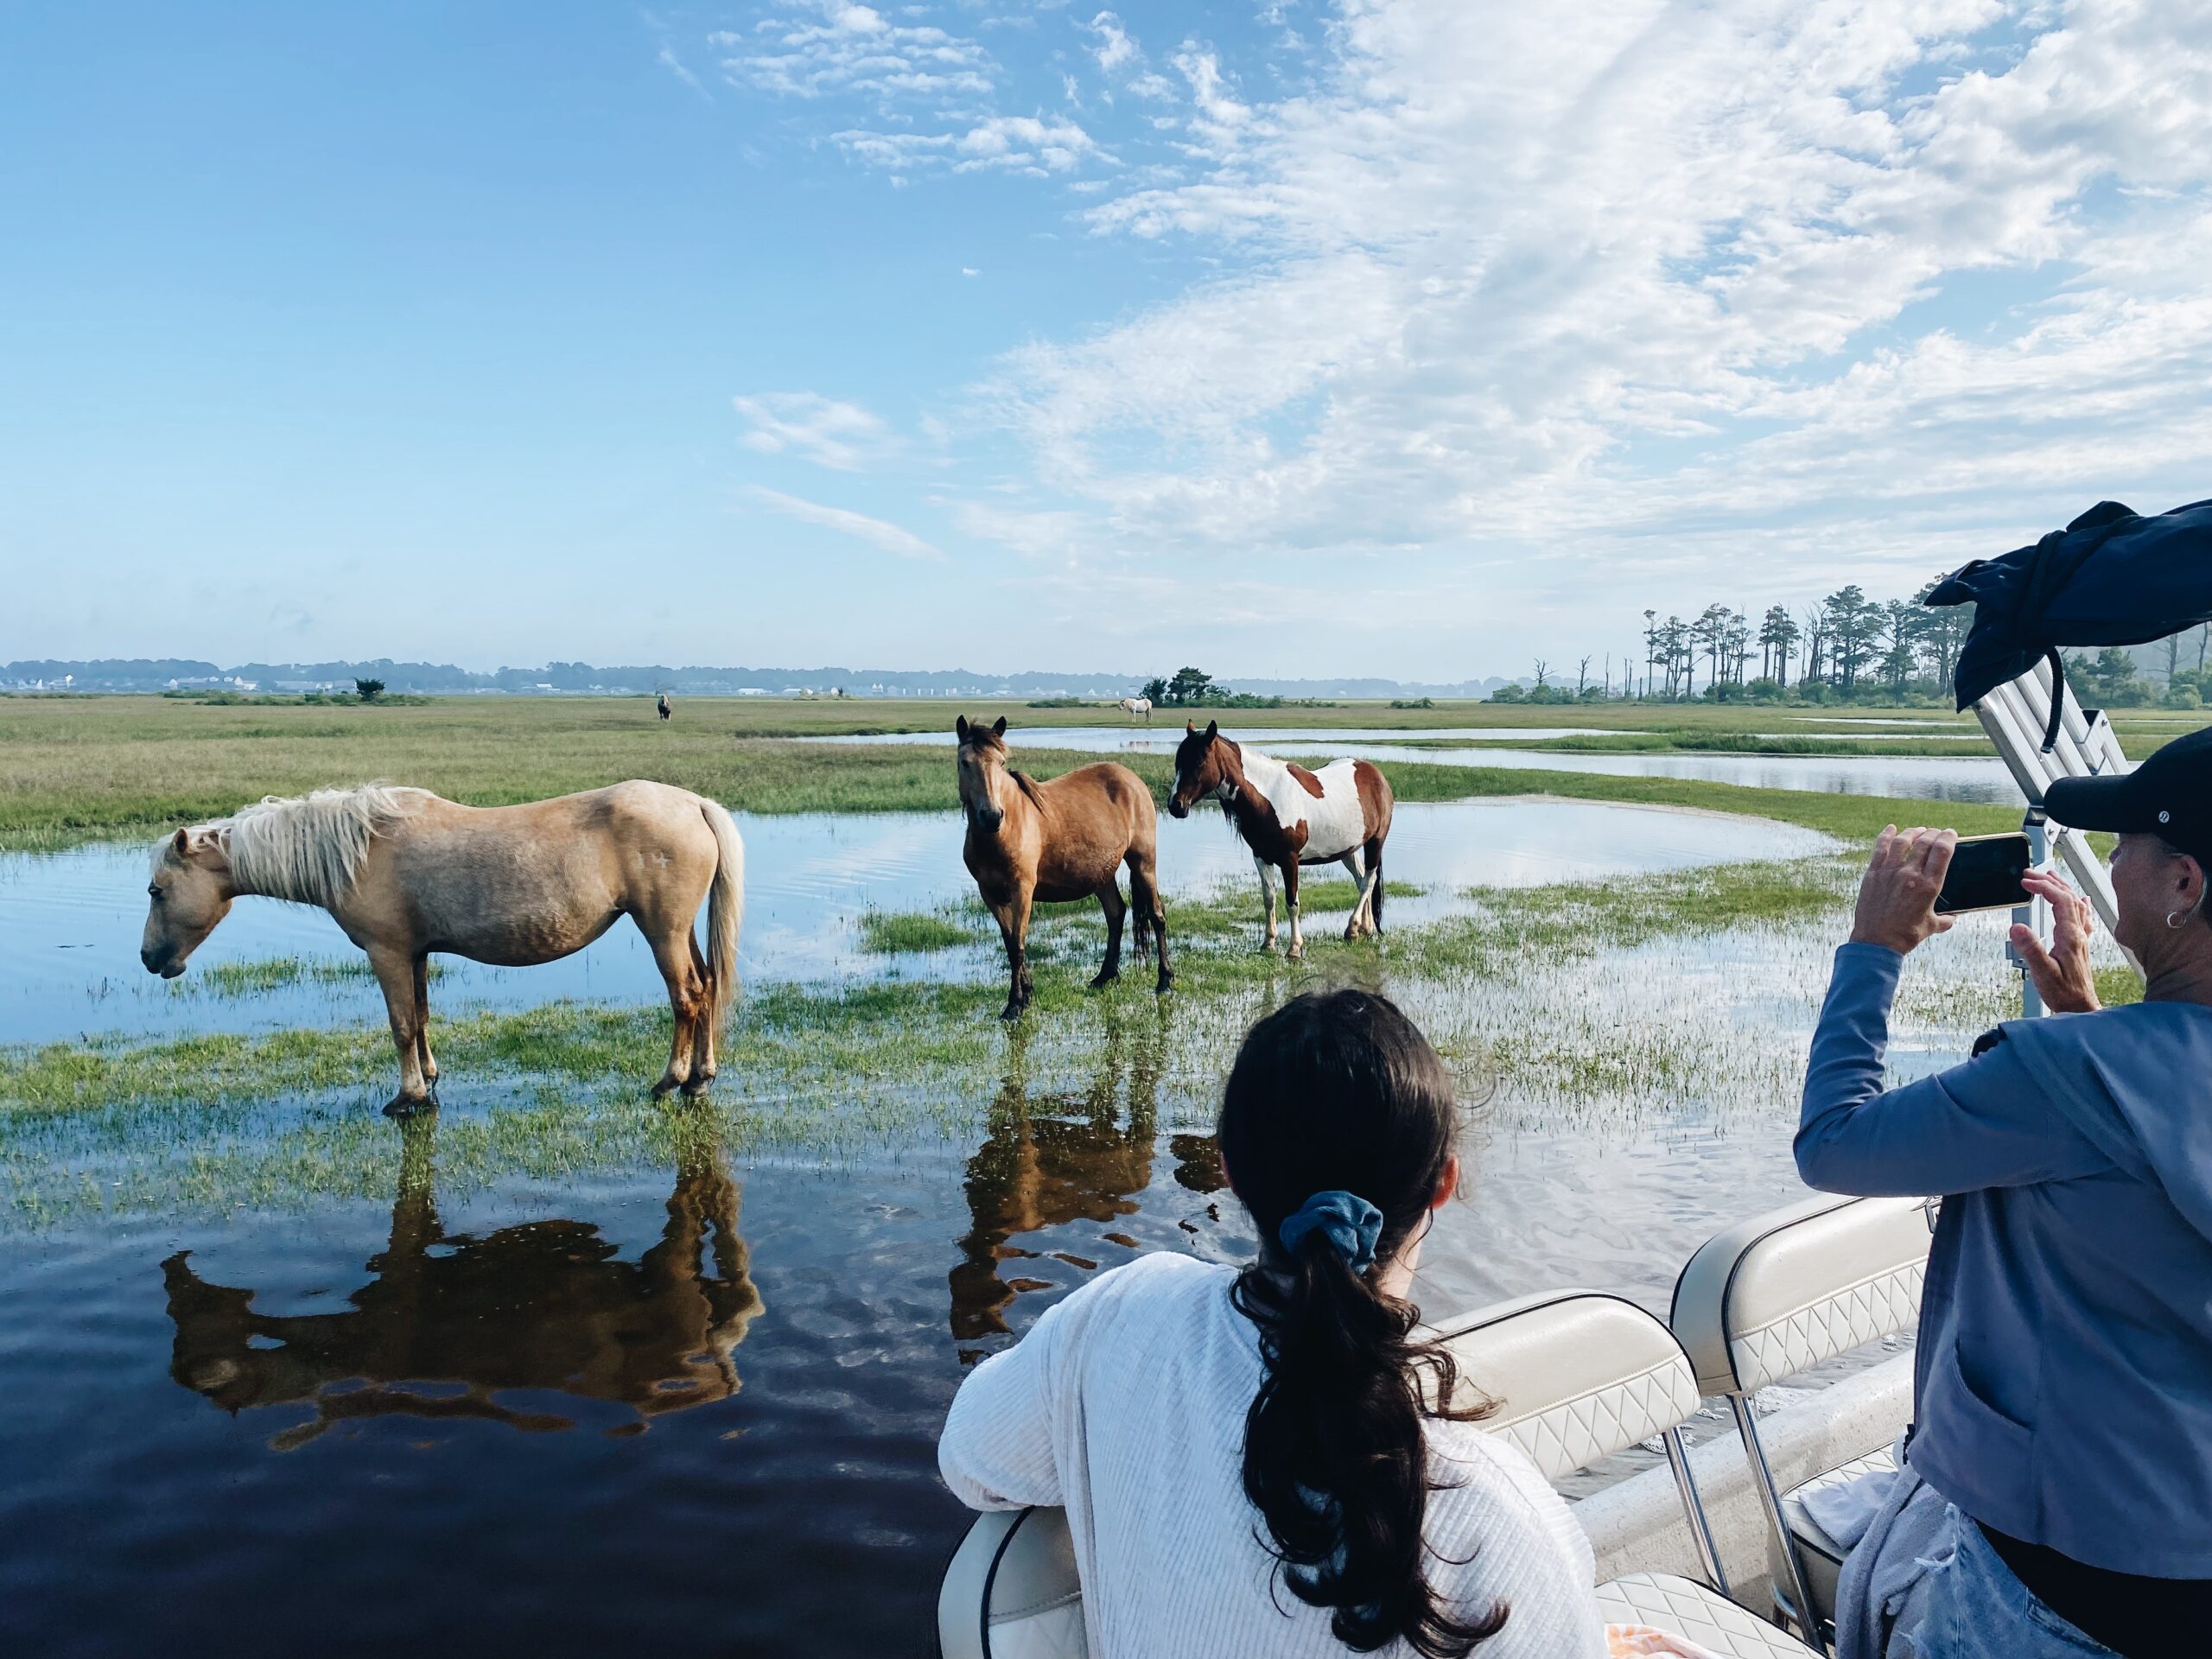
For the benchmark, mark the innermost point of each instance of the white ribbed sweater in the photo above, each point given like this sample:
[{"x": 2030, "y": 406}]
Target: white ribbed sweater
[{"x": 1126, "y": 1404}]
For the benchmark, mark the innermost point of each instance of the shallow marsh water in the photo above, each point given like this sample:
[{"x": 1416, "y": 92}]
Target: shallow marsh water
[
  {"x": 558, "y": 1375},
  {"x": 1970, "y": 777},
  {"x": 70, "y": 922}
]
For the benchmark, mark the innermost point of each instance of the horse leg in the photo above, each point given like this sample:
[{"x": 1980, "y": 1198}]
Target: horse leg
[
  {"x": 1290, "y": 903},
  {"x": 687, "y": 1003},
  {"x": 395, "y": 973},
  {"x": 1109, "y": 898},
  {"x": 704, "y": 1034},
  {"x": 1013, "y": 918},
  {"x": 1267, "y": 887},
  {"x": 1375, "y": 886},
  {"x": 1152, "y": 918},
  {"x": 422, "y": 1021}
]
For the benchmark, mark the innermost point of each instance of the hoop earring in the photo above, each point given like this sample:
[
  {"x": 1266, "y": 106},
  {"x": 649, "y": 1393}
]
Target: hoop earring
[{"x": 2183, "y": 915}]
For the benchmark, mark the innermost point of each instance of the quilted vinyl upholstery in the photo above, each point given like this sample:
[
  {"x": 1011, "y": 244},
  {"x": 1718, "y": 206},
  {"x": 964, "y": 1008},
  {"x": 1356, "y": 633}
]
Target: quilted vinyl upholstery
[
  {"x": 1822, "y": 1555},
  {"x": 1576, "y": 1433},
  {"x": 1055, "y": 1633},
  {"x": 1863, "y": 1312},
  {"x": 1703, "y": 1615}
]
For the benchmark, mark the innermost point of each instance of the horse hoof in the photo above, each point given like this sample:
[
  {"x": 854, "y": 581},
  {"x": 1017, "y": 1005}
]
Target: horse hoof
[
  {"x": 698, "y": 1087},
  {"x": 1013, "y": 1011},
  {"x": 1166, "y": 984},
  {"x": 408, "y": 1105},
  {"x": 1103, "y": 980},
  {"x": 664, "y": 1088}
]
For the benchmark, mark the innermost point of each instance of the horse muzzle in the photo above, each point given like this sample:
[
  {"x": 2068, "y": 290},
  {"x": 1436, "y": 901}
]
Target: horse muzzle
[
  {"x": 988, "y": 822},
  {"x": 158, "y": 962}
]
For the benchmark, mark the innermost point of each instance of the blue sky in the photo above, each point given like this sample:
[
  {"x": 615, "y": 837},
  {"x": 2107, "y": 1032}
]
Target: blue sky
[{"x": 1412, "y": 338}]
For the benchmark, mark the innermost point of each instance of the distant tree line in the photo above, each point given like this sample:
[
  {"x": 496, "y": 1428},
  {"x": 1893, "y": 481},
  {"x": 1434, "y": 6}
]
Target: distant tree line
[{"x": 1850, "y": 648}]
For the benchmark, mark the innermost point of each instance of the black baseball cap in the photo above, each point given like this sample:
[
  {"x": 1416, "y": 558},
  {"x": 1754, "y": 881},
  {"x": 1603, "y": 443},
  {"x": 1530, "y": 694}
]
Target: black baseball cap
[{"x": 2170, "y": 795}]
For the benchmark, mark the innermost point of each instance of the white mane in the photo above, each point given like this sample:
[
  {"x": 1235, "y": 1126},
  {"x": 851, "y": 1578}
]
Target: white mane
[{"x": 309, "y": 848}]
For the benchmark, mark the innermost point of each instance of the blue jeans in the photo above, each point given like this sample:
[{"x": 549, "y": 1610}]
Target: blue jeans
[{"x": 1978, "y": 1610}]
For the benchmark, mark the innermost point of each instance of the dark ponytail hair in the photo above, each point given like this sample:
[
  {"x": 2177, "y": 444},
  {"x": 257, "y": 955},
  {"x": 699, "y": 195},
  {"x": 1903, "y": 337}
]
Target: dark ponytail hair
[{"x": 1338, "y": 1090}]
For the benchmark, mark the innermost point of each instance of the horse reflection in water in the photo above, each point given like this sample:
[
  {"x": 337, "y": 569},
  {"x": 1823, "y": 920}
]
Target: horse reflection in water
[
  {"x": 542, "y": 1305},
  {"x": 1057, "y": 1159}
]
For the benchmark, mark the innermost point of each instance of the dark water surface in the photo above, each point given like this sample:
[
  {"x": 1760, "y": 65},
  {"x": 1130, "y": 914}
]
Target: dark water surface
[{"x": 691, "y": 1407}]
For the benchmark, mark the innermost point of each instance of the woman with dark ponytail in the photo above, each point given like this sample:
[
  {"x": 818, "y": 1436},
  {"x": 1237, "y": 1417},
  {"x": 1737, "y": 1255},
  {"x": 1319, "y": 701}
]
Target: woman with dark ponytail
[{"x": 1270, "y": 1461}]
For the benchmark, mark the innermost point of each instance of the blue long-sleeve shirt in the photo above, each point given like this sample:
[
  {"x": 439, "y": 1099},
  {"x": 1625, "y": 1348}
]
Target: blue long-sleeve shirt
[{"x": 2064, "y": 1380}]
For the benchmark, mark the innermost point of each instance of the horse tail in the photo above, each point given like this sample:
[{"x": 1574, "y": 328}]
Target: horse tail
[{"x": 725, "y": 909}]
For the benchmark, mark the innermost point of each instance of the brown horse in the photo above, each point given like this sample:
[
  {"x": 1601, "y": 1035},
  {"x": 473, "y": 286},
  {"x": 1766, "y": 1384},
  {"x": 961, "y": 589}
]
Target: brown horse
[
  {"x": 405, "y": 873},
  {"x": 1029, "y": 842},
  {"x": 1288, "y": 817}
]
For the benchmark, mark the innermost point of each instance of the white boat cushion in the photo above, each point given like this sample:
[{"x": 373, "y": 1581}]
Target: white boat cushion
[
  {"x": 1822, "y": 1554},
  {"x": 1691, "y": 1611},
  {"x": 1774, "y": 1296},
  {"x": 1055, "y": 1633},
  {"x": 1578, "y": 1375}
]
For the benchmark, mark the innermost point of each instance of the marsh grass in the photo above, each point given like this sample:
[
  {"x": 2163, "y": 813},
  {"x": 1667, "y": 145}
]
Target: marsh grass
[
  {"x": 229, "y": 979},
  {"x": 79, "y": 769}
]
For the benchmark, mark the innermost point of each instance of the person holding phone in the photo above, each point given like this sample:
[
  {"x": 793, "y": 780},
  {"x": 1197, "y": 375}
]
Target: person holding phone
[{"x": 2063, "y": 1380}]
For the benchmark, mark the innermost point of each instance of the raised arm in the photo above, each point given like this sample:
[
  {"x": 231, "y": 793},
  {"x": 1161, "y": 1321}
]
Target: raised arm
[{"x": 1986, "y": 1123}]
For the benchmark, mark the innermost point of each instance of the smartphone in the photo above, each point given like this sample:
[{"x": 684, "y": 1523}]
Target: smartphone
[{"x": 1985, "y": 874}]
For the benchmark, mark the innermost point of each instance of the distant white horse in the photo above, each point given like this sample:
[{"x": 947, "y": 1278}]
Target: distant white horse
[{"x": 1135, "y": 706}]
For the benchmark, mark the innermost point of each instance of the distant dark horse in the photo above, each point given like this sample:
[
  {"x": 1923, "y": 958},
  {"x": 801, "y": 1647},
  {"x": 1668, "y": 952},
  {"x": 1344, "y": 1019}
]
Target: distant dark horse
[{"x": 663, "y": 705}]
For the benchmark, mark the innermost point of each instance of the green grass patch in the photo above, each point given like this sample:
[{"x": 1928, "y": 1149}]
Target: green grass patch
[{"x": 891, "y": 933}]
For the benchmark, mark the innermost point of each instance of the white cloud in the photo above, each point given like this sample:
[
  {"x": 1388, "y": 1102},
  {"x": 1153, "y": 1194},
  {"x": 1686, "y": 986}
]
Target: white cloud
[
  {"x": 818, "y": 428},
  {"x": 1011, "y": 143},
  {"x": 1115, "y": 47},
  {"x": 836, "y": 47},
  {"x": 1739, "y": 296},
  {"x": 876, "y": 532}
]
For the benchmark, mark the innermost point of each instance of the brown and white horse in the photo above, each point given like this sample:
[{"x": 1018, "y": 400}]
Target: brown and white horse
[
  {"x": 1288, "y": 817},
  {"x": 405, "y": 873},
  {"x": 1065, "y": 839}
]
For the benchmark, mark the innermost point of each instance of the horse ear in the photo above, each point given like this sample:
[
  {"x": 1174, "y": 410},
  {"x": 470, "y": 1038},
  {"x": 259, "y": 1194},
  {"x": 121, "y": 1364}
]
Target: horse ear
[
  {"x": 1000, "y": 726},
  {"x": 1190, "y": 726},
  {"x": 1213, "y": 728},
  {"x": 181, "y": 843},
  {"x": 960, "y": 727}
]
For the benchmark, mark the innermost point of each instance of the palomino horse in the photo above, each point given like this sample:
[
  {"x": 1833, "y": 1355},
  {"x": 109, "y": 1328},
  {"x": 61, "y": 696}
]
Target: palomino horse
[
  {"x": 1288, "y": 817},
  {"x": 405, "y": 873},
  {"x": 1135, "y": 706},
  {"x": 1029, "y": 842}
]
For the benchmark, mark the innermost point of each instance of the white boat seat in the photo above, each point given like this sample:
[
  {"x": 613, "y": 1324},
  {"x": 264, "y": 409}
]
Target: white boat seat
[
  {"x": 1776, "y": 1295},
  {"x": 1685, "y": 1608},
  {"x": 1822, "y": 1555},
  {"x": 1011, "y": 1592}
]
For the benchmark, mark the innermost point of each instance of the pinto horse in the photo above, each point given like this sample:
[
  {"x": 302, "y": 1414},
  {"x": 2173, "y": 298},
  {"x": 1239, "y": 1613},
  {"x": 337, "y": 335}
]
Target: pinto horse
[
  {"x": 1135, "y": 706},
  {"x": 1288, "y": 817},
  {"x": 405, "y": 873},
  {"x": 1065, "y": 839}
]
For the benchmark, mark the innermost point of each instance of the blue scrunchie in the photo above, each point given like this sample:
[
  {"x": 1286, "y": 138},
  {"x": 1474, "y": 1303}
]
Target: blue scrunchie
[{"x": 1349, "y": 1222}]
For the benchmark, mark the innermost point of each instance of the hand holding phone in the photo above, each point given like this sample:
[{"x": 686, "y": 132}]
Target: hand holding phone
[
  {"x": 1986, "y": 872},
  {"x": 1896, "y": 897},
  {"x": 2064, "y": 977}
]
